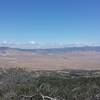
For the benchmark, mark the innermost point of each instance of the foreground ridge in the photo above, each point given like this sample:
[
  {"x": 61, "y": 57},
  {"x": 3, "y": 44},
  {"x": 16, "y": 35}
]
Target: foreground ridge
[{"x": 20, "y": 84}]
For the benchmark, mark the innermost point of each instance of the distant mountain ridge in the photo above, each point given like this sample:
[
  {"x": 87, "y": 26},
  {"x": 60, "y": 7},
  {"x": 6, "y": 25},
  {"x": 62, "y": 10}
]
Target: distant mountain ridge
[{"x": 53, "y": 50}]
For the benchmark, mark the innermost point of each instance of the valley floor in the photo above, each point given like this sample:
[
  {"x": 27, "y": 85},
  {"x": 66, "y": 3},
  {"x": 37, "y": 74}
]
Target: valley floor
[{"x": 70, "y": 60}]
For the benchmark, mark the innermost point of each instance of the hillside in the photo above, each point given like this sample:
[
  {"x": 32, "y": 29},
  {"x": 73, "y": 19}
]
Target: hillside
[{"x": 19, "y": 84}]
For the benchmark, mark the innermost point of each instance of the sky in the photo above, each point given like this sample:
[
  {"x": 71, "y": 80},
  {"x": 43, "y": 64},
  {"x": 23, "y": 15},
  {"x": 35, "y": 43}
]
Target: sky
[{"x": 49, "y": 21}]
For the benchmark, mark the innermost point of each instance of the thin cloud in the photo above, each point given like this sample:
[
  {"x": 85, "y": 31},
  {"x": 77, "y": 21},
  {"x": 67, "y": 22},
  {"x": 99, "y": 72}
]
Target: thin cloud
[{"x": 32, "y": 42}]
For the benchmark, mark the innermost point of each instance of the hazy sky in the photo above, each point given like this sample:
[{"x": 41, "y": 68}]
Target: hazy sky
[{"x": 50, "y": 21}]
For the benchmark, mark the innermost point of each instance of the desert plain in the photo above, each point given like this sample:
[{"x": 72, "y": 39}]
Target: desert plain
[{"x": 87, "y": 60}]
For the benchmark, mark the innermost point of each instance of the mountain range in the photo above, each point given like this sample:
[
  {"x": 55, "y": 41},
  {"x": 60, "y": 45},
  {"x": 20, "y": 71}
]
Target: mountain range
[{"x": 53, "y": 50}]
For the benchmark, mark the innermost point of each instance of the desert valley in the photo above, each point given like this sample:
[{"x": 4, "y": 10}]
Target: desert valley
[{"x": 51, "y": 59}]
